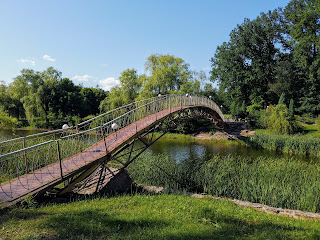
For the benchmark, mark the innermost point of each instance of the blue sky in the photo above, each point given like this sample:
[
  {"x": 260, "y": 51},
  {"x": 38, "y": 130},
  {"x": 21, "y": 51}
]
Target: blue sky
[{"x": 92, "y": 42}]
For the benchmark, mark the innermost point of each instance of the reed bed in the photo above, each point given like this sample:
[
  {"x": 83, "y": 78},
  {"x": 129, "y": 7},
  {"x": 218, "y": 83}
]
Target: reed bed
[
  {"x": 294, "y": 144},
  {"x": 280, "y": 182}
]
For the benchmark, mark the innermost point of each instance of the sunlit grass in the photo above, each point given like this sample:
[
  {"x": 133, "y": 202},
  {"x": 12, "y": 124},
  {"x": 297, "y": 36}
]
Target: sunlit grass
[{"x": 151, "y": 217}]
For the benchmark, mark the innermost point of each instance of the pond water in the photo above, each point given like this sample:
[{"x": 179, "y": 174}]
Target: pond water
[
  {"x": 6, "y": 134},
  {"x": 181, "y": 150}
]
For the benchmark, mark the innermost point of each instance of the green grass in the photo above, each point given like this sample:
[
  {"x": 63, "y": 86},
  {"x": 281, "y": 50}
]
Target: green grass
[
  {"x": 311, "y": 129},
  {"x": 296, "y": 144},
  {"x": 278, "y": 182},
  {"x": 178, "y": 136},
  {"x": 152, "y": 217}
]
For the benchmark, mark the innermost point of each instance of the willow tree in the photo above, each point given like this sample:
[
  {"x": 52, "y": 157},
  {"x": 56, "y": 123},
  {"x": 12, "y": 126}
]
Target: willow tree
[{"x": 165, "y": 74}]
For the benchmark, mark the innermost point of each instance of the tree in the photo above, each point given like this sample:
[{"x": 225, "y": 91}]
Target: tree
[
  {"x": 9, "y": 104},
  {"x": 127, "y": 92},
  {"x": 245, "y": 65},
  {"x": 92, "y": 98},
  {"x": 282, "y": 99},
  {"x": 279, "y": 120},
  {"x": 304, "y": 29},
  {"x": 130, "y": 84},
  {"x": 291, "y": 109},
  {"x": 48, "y": 96},
  {"x": 166, "y": 74}
]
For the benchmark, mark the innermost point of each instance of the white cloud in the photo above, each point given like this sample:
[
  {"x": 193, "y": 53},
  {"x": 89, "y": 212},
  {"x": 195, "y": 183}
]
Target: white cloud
[
  {"x": 48, "y": 58},
  {"x": 27, "y": 60},
  {"x": 83, "y": 78},
  {"x": 108, "y": 83}
]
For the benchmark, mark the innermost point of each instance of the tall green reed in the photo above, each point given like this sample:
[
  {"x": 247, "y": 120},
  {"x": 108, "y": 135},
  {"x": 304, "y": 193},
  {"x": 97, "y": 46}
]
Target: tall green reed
[
  {"x": 295, "y": 144},
  {"x": 279, "y": 182}
]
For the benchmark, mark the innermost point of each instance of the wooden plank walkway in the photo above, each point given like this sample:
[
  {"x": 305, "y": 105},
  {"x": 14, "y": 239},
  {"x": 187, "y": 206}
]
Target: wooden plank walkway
[{"x": 50, "y": 175}]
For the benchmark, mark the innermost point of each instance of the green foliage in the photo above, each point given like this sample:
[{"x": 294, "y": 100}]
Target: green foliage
[
  {"x": 274, "y": 55},
  {"x": 291, "y": 109},
  {"x": 282, "y": 99},
  {"x": 6, "y": 121},
  {"x": 166, "y": 74},
  {"x": 303, "y": 25},
  {"x": 287, "y": 143},
  {"x": 92, "y": 98},
  {"x": 306, "y": 118},
  {"x": 88, "y": 117},
  {"x": 262, "y": 180},
  {"x": 48, "y": 100},
  {"x": 279, "y": 120}
]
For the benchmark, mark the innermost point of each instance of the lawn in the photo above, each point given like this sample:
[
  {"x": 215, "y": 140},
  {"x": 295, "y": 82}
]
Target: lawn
[{"x": 151, "y": 217}]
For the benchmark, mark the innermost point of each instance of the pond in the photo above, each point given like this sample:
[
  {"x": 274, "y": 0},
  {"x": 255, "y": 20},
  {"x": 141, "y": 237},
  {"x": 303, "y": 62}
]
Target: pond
[
  {"x": 6, "y": 134},
  {"x": 182, "y": 150}
]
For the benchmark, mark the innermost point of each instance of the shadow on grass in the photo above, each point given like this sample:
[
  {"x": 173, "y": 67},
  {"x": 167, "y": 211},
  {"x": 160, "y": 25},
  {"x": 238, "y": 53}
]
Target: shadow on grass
[
  {"x": 97, "y": 224},
  {"x": 93, "y": 224}
]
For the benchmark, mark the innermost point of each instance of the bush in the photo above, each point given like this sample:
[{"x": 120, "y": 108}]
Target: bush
[
  {"x": 7, "y": 122},
  {"x": 279, "y": 120},
  {"x": 306, "y": 118},
  {"x": 87, "y": 117},
  {"x": 257, "y": 118}
]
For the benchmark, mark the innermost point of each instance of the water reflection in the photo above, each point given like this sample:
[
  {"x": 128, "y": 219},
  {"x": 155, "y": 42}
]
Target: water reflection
[
  {"x": 181, "y": 150},
  {"x": 9, "y": 134}
]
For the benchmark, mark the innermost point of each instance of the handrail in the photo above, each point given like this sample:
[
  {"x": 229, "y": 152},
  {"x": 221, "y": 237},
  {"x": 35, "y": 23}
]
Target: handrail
[
  {"x": 35, "y": 135},
  {"x": 26, "y": 149},
  {"x": 155, "y": 99},
  {"x": 64, "y": 150},
  {"x": 113, "y": 110}
]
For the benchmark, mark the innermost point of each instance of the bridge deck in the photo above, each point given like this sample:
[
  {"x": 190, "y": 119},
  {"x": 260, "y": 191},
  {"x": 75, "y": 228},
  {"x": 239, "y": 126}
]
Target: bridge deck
[{"x": 50, "y": 175}]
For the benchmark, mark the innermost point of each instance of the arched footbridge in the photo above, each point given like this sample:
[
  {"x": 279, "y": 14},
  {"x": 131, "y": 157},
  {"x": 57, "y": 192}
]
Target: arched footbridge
[{"x": 68, "y": 157}]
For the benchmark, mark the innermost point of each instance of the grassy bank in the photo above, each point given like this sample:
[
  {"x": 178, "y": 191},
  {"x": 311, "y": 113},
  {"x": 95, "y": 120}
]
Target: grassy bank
[
  {"x": 279, "y": 182},
  {"x": 188, "y": 137},
  {"x": 295, "y": 144},
  {"x": 151, "y": 217}
]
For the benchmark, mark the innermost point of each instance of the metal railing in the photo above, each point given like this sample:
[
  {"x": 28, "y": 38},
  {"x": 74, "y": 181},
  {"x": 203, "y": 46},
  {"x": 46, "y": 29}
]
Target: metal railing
[{"x": 78, "y": 145}]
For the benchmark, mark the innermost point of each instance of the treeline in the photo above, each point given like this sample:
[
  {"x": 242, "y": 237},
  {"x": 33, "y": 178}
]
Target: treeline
[
  {"x": 47, "y": 100},
  {"x": 164, "y": 74},
  {"x": 275, "y": 54}
]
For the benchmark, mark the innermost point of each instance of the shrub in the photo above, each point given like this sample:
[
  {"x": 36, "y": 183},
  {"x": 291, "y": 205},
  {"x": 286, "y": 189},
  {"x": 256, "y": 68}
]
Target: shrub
[
  {"x": 88, "y": 117},
  {"x": 7, "y": 122},
  {"x": 279, "y": 120},
  {"x": 306, "y": 118}
]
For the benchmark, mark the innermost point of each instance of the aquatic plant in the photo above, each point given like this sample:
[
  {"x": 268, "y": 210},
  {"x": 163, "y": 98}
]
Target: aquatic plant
[{"x": 279, "y": 182}]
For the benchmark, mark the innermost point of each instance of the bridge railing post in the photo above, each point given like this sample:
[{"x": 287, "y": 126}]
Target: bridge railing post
[
  {"x": 136, "y": 119},
  {"x": 25, "y": 156},
  {"x": 79, "y": 138},
  {"x": 59, "y": 158},
  {"x": 104, "y": 138}
]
